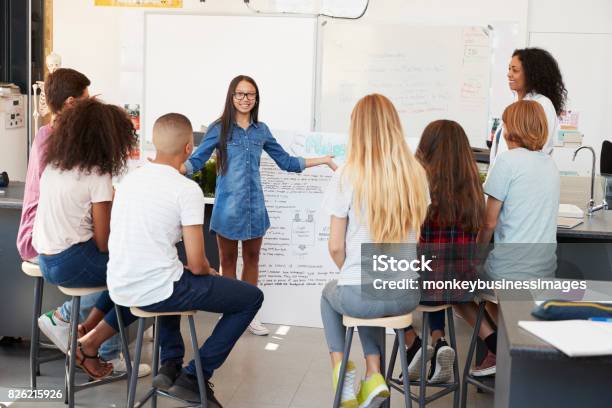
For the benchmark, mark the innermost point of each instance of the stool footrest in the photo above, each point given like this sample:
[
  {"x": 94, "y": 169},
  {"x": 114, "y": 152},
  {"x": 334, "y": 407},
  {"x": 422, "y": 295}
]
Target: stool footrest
[
  {"x": 471, "y": 380},
  {"x": 430, "y": 398},
  {"x": 106, "y": 380}
]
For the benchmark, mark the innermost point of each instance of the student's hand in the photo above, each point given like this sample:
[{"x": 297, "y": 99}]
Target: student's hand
[
  {"x": 329, "y": 160},
  {"x": 212, "y": 272}
]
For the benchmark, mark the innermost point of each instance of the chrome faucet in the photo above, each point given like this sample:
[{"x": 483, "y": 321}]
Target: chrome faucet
[{"x": 591, "y": 207}]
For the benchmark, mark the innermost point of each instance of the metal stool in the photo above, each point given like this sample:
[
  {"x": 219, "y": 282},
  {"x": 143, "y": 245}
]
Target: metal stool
[
  {"x": 154, "y": 392},
  {"x": 453, "y": 386},
  {"x": 33, "y": 270},
  {"x": 71, "y": 387},
  {"x": 468, "y": 378},
  {"x": 399, "y": 324}
]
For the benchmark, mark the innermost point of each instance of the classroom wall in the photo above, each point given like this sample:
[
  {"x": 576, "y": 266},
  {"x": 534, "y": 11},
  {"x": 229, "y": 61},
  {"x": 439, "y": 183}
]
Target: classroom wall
[
  {"x": 579, "y": 35},
  {"x": 106, "y": 44},
  {"x": 103, "y": 42}
]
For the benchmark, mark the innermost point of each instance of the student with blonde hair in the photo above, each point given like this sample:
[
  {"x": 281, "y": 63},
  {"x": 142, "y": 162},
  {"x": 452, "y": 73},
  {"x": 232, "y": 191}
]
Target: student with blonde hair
[
  {"x": 379, "y": 196},
  {"x": 522, "y": 189}
]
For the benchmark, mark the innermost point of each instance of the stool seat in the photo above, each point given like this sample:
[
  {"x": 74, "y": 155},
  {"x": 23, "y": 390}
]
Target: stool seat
[
  {"x": 392, "y": 322},
  {"x": 487, "y": 297},
  {"x": 81, "y": 291},
  {"x": 142, "y": 313},
  {"x": 31, "y": 269},
  {"x": 429, "y": 309}
]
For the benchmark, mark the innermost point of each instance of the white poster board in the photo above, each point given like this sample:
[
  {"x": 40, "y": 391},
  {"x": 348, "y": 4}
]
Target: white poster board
[
  {"x": 294, "y": 263},
  {"x": 191, "y": 59},
  {"x": 428, "y": 72}
]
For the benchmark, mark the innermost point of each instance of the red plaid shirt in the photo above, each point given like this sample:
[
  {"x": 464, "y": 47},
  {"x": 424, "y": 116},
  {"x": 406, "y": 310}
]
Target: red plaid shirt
[{"x": 453, "y": 251}]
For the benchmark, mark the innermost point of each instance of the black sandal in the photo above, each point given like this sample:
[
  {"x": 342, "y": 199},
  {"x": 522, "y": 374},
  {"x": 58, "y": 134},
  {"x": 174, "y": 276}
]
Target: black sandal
[{"x": 85, "y": 356}]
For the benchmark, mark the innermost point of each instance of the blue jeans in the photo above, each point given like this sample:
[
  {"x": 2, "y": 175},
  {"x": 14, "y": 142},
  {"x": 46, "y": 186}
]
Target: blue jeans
[
  {"x": 337, "y": 301},
  {"x": 437, "y": 320},
  {"x": 238, "y": 302},
  {"x": 81, "y": 266}
]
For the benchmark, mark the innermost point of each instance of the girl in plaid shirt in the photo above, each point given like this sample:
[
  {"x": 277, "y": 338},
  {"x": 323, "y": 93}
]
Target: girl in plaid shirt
[{"x": 453, "y": 219}]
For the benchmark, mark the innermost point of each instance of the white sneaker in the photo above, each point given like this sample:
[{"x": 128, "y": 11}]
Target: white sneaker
[
  {"x": 55, "y": 329},
  {"x": 120, "y": 367},
  {"x": 258, "y": 329}
]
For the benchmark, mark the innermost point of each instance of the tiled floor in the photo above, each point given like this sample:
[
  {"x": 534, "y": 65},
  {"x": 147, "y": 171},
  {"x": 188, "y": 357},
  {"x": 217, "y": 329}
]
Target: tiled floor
[{"x": 296, "y": 374}]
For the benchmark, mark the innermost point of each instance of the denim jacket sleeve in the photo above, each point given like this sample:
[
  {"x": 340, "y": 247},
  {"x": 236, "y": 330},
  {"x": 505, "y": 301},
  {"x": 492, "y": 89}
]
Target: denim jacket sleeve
[
  {"x": 201, "y": 155},
  {"x": 283, "y": 159}
]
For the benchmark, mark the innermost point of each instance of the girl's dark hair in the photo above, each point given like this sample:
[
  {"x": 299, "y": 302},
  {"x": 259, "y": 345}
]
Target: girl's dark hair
[
  {"x": 91, "y": 136},
  {"x": 542, "y": 75},
  {"x": 228, "y": 116},
  {"x": 454, "y": 182}
]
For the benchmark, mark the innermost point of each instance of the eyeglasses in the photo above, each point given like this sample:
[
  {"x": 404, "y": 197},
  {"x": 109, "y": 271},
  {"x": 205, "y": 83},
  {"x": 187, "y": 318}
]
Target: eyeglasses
[{"x": 249, "y": 95}]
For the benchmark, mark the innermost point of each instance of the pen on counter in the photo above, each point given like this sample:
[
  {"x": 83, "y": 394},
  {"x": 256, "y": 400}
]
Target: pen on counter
[{"x": 601, "y": 319}]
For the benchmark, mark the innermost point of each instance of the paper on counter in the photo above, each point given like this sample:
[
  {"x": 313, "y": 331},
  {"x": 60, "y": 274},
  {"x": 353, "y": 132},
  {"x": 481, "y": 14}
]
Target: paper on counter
[{"x": 575, "y": 338}]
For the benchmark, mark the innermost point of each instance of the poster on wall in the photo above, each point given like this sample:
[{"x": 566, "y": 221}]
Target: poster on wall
[
  {"x": 140, "y": 3},
  {"x": 294, "y": 263},
  {"x": 133, "y": 111}
]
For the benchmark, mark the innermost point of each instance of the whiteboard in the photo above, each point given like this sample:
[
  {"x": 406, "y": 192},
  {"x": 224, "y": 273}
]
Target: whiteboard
[
  {"x": 190, "y": 60},
  {"x": 428, "y": 72}
]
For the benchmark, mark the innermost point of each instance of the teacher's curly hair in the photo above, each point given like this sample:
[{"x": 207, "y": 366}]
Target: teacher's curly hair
[
  {"x": 542, "y": 75},
  {"x": 91, "y": 136}
]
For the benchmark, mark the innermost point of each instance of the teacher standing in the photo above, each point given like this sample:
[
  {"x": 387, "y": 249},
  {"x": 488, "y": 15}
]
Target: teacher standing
[{"x": 533, "y": 74}]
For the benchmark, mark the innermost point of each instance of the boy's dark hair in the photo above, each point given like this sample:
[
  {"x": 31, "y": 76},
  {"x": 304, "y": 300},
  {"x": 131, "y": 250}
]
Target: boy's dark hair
[
  {"x": 91, "y": 136},
  {"x": 62, "y": 84}
]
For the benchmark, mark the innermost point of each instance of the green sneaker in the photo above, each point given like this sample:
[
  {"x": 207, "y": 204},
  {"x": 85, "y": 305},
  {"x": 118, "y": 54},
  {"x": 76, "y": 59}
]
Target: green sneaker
[
  {"x": 373, "y": 392},
  {"x": 348, "y": 398}
]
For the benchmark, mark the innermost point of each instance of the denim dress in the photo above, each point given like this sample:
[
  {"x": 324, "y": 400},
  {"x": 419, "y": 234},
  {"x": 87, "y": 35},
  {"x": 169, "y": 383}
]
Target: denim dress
[{"x": 239, "y": 212}]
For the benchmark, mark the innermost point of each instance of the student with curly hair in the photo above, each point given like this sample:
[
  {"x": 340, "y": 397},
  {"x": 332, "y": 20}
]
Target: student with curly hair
[
  {"x": 90, "y": 143},
  {"x": 533, "y": 74}
]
